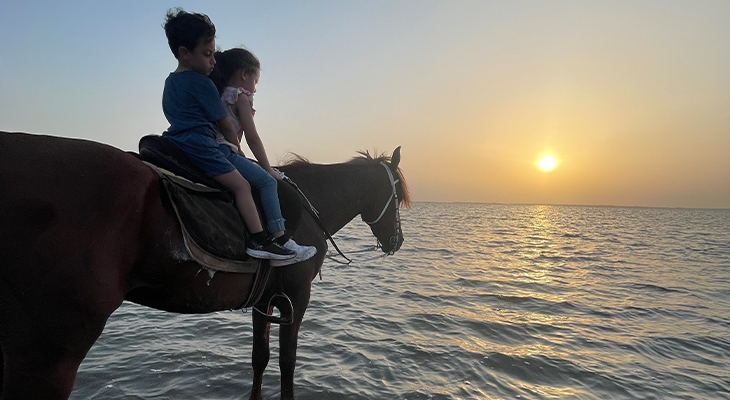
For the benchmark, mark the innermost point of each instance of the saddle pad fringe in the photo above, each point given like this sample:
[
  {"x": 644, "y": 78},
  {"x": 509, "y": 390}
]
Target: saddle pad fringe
[{"x": 212, "y": 261}]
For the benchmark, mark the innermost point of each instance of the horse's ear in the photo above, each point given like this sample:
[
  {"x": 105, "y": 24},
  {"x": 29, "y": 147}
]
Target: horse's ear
[{"x": 395, "y": 159}]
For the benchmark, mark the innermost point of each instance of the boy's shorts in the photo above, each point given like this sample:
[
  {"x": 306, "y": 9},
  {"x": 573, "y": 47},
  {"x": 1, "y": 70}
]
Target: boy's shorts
[{"x": 203, "y": 151}]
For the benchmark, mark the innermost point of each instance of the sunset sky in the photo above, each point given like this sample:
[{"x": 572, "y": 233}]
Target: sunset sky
[{"x": 632, "y": 99}]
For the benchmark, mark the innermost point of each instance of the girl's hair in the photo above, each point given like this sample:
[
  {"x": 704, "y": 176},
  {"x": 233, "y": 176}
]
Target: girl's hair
[{"x": 230, "y": 61}]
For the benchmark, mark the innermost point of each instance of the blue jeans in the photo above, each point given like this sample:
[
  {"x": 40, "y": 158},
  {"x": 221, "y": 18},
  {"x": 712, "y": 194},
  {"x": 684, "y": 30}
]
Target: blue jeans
[{"x": 260, "y": 179}]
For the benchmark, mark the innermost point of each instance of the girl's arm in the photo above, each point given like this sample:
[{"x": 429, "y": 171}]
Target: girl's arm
[
  {"x": 245, "y": 116},
  {"x": 229, "y": 131}
]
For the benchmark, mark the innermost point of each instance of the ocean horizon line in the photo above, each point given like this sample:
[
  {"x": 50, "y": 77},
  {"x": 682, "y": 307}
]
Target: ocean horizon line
[{"x": 573, "y": 205}]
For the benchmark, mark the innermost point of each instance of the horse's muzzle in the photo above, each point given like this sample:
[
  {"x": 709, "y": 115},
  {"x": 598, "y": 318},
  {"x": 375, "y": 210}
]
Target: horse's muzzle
[{"x": 393, "y": 244}]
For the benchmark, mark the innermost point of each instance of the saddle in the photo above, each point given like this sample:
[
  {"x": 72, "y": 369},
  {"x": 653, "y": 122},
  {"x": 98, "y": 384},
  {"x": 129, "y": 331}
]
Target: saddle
[
  {"x": 157, "y": 150},
  {"x": 213, "y": 231}
]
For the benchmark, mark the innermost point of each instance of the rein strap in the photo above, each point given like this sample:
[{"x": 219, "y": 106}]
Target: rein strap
[{"x": 315, "y": 214}]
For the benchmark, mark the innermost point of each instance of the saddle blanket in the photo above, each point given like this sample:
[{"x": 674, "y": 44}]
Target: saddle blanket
[{"x": 213, "y": 231}]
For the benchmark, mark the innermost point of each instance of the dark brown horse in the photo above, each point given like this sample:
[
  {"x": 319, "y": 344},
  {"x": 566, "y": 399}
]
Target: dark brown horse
[{"x": 84, "y": 226}]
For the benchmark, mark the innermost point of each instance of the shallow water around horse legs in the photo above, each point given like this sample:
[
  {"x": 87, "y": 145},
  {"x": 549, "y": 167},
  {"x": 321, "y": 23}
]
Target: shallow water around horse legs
[{"x": 530, "y": 302}]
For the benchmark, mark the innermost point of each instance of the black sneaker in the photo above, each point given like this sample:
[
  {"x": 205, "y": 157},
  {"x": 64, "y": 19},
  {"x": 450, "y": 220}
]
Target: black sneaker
[{"x": 269, "y": 250}]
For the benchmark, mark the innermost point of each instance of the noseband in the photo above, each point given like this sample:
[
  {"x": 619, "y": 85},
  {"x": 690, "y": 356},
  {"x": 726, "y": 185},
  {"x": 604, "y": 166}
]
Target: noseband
[{"x": 393, "y": 195}]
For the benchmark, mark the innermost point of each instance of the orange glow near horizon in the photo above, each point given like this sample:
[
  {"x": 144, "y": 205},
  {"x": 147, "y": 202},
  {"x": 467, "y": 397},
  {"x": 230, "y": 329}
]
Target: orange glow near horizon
[{"x": 492, "y": 102}]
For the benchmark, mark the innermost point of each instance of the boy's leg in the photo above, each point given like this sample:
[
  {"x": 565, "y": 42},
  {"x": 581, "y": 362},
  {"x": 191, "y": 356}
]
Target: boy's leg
[
  {"x": 258, "y": 246},
  {"x": 242, "y": 196}
]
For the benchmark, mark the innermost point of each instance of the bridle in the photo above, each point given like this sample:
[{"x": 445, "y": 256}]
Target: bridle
[{"x": 393, "y": 195}]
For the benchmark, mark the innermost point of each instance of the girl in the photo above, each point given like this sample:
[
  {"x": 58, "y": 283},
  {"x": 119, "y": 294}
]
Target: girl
[{"x": 236, "y": 74}]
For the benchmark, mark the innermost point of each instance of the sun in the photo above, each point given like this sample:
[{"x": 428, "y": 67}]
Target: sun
[{"x": 547, "y": 162}]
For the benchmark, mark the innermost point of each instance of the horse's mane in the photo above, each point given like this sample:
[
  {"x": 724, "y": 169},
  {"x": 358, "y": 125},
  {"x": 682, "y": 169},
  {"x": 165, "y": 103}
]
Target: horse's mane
[
  {"x": 363, "y": 157},
  {"x": 294, "y": 159}
]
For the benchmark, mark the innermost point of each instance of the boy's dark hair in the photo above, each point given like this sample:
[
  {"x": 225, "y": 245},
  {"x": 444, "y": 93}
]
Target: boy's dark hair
[
  {"x": 230, "y": 61},
  {"x": 187, "y": 29}
]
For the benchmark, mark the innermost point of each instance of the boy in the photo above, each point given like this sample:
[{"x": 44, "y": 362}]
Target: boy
[{"x": 192, "y": 105}]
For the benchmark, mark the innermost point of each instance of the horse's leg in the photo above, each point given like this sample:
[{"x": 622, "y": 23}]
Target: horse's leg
[
  {"x": 288, "y": 340},
  {"x": 288, "y": 337},
  {"x": 45, "y": 334},
  {"x": 42, "y": 355},
  {"x": 36, "y": 377},
  {"x": 260, "y": 354}
]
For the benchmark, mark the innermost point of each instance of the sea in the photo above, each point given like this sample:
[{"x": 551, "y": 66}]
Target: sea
[{"x": 483, "y": 301}]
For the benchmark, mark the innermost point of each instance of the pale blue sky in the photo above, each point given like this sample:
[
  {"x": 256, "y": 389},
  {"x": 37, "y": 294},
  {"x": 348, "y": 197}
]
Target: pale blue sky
[{"x": 633, "y": 98}]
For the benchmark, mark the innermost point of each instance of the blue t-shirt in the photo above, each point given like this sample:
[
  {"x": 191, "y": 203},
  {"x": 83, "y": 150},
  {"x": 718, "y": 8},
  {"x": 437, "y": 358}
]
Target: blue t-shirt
[{"x": 191, "y": 102}]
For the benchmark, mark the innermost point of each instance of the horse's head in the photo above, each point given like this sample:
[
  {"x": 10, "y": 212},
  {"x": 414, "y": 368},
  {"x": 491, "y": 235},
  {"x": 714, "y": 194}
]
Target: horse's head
[{"x": 381, "y": 212}]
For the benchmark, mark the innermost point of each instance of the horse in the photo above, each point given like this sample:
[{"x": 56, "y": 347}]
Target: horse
[{"x": 85, "y": 226}]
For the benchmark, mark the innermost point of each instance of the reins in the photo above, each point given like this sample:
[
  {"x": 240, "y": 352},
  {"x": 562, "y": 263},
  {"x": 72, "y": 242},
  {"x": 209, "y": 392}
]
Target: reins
[
  {"x": 331, "y": 256},
  {"x": 315, "y": 214}
]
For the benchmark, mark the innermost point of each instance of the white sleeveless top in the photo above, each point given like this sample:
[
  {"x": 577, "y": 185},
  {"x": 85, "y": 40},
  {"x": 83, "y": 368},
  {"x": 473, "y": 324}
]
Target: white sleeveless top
[{"x": 228, "y": 99}]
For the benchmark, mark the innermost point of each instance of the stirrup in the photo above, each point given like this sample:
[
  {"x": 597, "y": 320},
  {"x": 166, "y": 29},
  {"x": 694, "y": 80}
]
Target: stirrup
[{"x": 286, "y": 313}]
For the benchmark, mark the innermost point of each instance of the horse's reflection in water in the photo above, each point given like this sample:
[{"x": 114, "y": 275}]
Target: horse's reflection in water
[{"x": 83, "y": 227}]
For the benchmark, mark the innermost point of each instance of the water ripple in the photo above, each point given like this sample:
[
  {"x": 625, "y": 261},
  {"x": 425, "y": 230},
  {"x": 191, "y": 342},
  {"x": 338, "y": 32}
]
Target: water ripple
[{"x": 529, "y": 302}]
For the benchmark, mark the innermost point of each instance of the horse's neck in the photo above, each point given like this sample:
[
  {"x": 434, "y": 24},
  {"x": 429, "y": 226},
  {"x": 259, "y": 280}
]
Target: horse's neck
[{"x": 337, "y": 191}]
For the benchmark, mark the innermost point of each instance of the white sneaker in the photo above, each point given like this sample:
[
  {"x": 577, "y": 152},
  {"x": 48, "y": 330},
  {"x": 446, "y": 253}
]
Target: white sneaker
[{"x": 303, "y": 253}]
